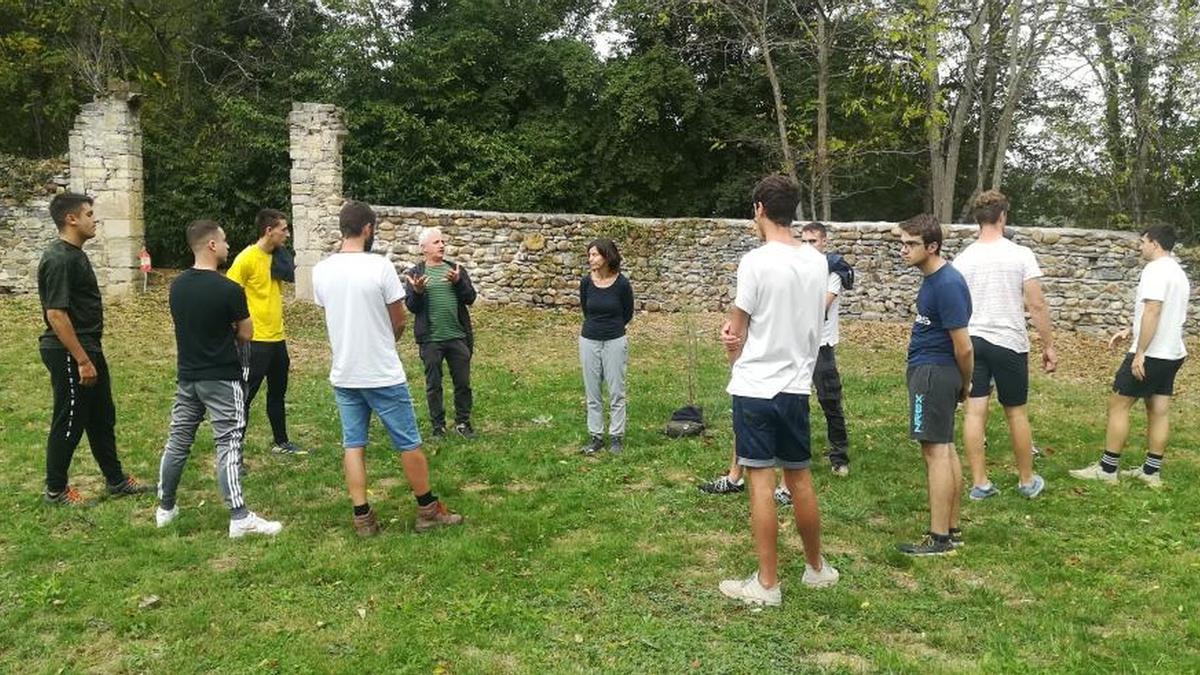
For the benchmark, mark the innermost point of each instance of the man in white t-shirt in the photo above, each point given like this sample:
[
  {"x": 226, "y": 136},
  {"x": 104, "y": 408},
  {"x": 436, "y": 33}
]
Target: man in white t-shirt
[
  {"x": 364, "y": 315},
  {"x": 773, "y": 335},
  {"x": 826, "y": 378},
  {"x": 1154, "y": 358},
  {"x": 1004, "y": 280}
]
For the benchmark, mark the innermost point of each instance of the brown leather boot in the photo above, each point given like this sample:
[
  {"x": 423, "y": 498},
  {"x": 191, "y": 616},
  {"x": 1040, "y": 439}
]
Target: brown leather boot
[
  {"x": 436, "y": 515},
  {"x": 366, "y": 525}
]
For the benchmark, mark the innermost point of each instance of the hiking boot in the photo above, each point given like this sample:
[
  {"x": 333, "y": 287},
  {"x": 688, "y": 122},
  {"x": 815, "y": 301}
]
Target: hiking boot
[
  {"x": 130, "y": 486},
  {"x": 464, "y": 429},
  {"x": 163, "y": 517},
  {"x": 593, "y": 446},
  {"x": 436, "y": 515},
  {"x": 68, "y": 497},
  {"x": 981, "y": 492},
  {"x": 928, "y": 546},
  {"x": 782, "y": 496},
  {"x": 1034, "y": 488},
  {"x": 288, "y": 448},
  {"x": 253, "y": 524},
  {"x": 366, "y": 525},
  {"x": 1094, "y": 472},
  {"x": 822, "y": 578},
  {"x": 1154, "y": 480},
  {"x": 842, "y": 470},
  {"x": 751, "y": 592},
  {"x": 616, "y": 444},
  {"x": 721, "y": 485}
]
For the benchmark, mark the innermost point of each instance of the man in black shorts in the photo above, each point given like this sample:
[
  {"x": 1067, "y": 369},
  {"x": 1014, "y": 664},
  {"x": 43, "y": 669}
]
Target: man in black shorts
[
  {"x": 940, "y": 362},
  {"x": 1155, "y": 355}
]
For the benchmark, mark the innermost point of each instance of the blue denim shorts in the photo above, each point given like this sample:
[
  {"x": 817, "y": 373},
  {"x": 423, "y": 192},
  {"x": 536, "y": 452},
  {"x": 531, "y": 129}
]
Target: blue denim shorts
[
  {"x": 392, "y": 404},
  {"x": 772, "y": 432}
]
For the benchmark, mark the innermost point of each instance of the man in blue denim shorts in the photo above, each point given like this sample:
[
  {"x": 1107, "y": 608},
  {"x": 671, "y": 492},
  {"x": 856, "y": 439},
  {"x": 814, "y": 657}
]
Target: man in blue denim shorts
[
  {"x": 940, "y": 363},
  {"x": 364, "y": 315},
  {"x": 773, "y": 335}
]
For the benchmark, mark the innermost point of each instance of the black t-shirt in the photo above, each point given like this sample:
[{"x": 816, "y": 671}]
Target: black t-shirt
[
  {"x": 67, "y": 281},
  {"x": 605, "y": 310},
  {"x": 205, "y": 305}
]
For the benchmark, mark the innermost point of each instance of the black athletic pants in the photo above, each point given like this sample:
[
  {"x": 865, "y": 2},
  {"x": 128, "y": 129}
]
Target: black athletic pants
[
  {"x": 270, "y": 360},
  {"x": 79, "y": 409},
  {"x": 458, "y": 356},
  {"x": 828, "y": 383}
]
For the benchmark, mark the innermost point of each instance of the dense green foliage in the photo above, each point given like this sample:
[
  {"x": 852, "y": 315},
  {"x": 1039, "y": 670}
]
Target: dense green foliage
[{"x": 631, "y": 107}]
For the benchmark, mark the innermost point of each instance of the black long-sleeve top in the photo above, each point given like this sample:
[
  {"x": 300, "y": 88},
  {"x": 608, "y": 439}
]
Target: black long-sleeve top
[{"x": 606, "y": 311}]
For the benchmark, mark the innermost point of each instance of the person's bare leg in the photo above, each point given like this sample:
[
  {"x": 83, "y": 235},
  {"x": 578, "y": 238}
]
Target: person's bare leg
[
  {"x": 1118, "y": 422},
  {"x": 956, "y": 470},
  {"x": 1022, "y": 441},
  {"x": 355, "y": 468},
  {"x": 806, "y": 512},
  {"x": 941, "y": 486},
  {"x": 1158, "y": 426},
  {"x": 735, "y": 469},
  {"x": 764, "y": 525},
  {"x": 416, "y": 470},
  {"x": 974, "y": 432}
]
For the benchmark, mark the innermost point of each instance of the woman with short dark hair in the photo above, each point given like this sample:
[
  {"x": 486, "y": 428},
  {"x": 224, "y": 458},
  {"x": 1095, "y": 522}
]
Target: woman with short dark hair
[{"x": 606, "y": 298}]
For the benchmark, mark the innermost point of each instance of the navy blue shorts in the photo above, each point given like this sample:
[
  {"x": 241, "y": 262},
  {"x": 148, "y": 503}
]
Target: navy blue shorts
[
  {"x": 1160, "y": 378},
  {"x": 772, "y": 432}
]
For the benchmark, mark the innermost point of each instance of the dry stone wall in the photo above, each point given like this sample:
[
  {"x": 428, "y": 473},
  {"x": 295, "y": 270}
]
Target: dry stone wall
[{"x": 25, "y": 231}]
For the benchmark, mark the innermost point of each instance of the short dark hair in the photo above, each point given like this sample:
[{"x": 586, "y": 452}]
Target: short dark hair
[
  {"x": 779, "y": 196},
  {"x": 607, "y": 249},
  {"x": 266, "y": 219},
  {"x": 817, "y": 227},
  {"x": 355, "y": 217},
  {"x": 1163, "y": 235},
  {"x": 67, "y": 204},
  {"x": 926, "y": 227},
  {"x": 200, "y": 231},
  {"x": 988, "y": 206}
]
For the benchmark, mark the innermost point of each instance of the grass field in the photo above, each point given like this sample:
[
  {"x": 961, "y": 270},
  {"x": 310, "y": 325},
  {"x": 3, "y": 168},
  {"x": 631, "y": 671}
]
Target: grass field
[{"x": 573, "y": 564}]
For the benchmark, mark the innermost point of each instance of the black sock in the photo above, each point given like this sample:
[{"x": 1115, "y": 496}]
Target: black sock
[
  {"x": 362, "y": 509},
  {"x": 940, "y": 538},
  {"x": 426, "y": 499},
  {"x": 1110, "y": 461},
  {"x": 1153, "y": 464}
]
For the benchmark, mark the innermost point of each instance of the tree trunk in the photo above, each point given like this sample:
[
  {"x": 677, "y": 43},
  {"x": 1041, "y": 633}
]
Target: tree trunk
[
  {"x": 789, "y": 164},
  {"x": 823, "y": 168}
]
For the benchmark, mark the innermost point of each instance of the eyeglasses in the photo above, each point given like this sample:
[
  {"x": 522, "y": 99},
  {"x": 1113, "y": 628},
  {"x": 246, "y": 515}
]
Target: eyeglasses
[
  {"x": 809, "y": 241},
  {"x": 911, "y": 244}
]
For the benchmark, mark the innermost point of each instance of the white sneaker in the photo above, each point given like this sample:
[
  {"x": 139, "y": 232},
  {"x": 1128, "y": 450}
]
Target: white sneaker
[
  {"x": 822, "y": 578},
  {"x": 751, "y": 592},
  {"x": 1154, "y": 480},
  {"x": 253, "y": 524},
  {"x": 163, "y": 517},
  {"x": 1094, "y": 472}
]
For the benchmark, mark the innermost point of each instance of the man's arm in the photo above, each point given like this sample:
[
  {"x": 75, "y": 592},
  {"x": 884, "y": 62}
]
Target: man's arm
[
  {"x": 1039, "y": 314},
  {"x": 733, "y": 332},
  {"x": 243, "y": 330},
  {"x": 1150, "y": 316},
  {"x": 398, "y": 316},
  {"x": 64, "y": 330},
  {"x": 964, "y": 357}
]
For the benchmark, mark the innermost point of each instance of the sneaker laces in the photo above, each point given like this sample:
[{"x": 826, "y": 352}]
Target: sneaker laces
[{"x": 71, "y": 496}]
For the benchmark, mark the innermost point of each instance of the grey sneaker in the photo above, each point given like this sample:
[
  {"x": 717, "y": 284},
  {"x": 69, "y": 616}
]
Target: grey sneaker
[
  {"x": 956, "y": 538},
  {"x": 928, "y": 546},
  {"x": 465, "y": 430},
  {"x": 980, "y": 493},
  {"x": 782, "y": 496},
  {"x": 616, "y": 445},
  {"x": 842, "y": 470},
  {"x": 1154, "y": 480},
  {"x": 593, "y": 446},
  {"x": 721, "y": 485},
  {"x": 288, "y": 448},
  {"x": 1034, "y": 488}
]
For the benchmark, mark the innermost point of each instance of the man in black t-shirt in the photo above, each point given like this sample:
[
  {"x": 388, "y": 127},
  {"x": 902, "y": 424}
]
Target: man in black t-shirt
[
  {"x": 70, "y": 347},
  {"x": 209, "y": 312}
]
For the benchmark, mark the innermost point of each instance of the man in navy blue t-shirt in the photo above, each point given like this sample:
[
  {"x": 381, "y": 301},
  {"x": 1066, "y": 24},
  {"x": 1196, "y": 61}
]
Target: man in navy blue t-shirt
[{"x": 939, "y": 377}]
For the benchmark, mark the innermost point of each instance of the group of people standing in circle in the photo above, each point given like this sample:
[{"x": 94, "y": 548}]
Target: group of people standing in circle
[{"x": 968, "y": 338}]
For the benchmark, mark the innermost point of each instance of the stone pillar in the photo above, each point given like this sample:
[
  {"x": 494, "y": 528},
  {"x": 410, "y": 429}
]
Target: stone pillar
[
  {"x": 106, "y": 164},
  {"x": 317, "y": 133}
]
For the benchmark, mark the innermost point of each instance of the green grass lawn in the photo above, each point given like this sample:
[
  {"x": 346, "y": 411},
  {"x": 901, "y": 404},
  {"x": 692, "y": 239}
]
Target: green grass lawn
[{"x": 574, "y": 564}]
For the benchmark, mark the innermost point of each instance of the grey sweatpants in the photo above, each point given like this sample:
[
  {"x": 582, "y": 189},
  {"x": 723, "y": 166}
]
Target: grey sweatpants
[
  {"x": 604, "y": 361},
  {"x": 225, "y": 403}
]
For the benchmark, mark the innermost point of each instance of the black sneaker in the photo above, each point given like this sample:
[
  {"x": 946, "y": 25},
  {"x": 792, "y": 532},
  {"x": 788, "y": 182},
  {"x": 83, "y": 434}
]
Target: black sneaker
[
  {"x": 439, "y": 432},
  {"x": 956, "y": 538},
  {"x": 721, "y": 485},
  {"x": 130, "y": 486},
  {"x": 464, "y": 429},
  {"x": 593, "y": 446},
  {"x": 616, "y": 445},
  {"x": 929, "y": 545},
  {"x": 69, "y": 497}
]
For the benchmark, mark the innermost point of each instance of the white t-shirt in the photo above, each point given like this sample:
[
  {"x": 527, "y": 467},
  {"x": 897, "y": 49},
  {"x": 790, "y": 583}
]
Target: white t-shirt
[
  {"x": 1163, "y": 280},
  {"x": 829, "y": 334},
  {"x": 782, "y": 288},
  {"x": 355, "y": 290},
  {"x": 996, "y": 272}
]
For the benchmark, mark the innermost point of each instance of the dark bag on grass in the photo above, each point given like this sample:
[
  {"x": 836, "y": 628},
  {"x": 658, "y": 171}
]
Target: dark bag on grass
[{"x": 687, "y": 421}]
